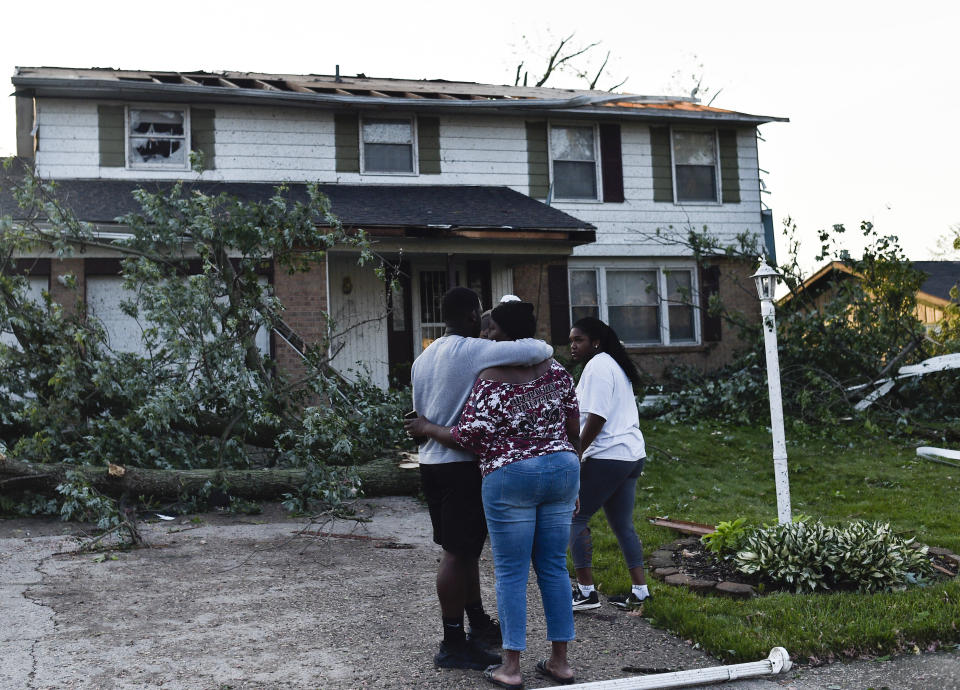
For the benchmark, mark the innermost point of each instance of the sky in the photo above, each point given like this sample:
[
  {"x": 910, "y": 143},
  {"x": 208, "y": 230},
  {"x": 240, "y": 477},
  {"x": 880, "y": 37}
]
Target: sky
[{"x": 871, "y": 88}]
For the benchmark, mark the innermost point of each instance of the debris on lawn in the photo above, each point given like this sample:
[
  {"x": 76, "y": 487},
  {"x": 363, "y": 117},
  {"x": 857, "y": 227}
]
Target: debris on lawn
[{"x": 682, "y": 526}]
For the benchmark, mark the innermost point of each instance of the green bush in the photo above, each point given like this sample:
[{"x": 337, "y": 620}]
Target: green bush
[
  {"x": 727, "y": 538},
  {"x": 807, "y": 556}
]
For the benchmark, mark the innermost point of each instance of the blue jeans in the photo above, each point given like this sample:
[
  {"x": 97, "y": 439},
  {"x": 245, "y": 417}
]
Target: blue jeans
[{"x": 529, "y": 505}]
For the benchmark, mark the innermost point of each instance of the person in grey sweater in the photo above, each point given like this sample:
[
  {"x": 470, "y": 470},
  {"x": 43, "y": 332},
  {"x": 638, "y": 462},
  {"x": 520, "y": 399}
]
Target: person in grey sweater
[{"x": 442, "y": 377}]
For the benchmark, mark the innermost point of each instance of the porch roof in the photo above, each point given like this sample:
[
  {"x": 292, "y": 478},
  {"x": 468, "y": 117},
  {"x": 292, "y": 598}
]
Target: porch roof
[{"x": 381, "y": 210}]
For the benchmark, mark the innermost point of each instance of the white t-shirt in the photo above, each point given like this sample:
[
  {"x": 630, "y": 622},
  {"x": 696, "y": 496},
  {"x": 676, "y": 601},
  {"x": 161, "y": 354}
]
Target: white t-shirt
[{"x": 605, "y": 390}]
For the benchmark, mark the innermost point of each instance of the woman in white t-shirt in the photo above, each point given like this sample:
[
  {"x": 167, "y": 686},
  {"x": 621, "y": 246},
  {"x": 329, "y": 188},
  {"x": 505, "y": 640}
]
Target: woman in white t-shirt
[{"x": 612, "y": 457}]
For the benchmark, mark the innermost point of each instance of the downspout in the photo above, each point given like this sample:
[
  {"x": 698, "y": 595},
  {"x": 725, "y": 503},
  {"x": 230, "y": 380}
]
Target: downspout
[{"x": 777, "y": 662}]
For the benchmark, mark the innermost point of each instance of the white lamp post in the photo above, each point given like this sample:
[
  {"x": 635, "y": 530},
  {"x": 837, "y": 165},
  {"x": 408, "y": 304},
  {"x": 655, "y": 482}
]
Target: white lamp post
[{"x": 766, "y": 279}]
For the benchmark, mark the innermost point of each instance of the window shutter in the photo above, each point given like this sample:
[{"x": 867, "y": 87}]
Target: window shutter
[
  {"x": 729, "y": 166},
  {"x": 710, "y": 286},
  {"x": 112, "y": 134},
  {"x": 662, "y": 165},
  {"x": 538, "y": 165},
  {"x": 611, "y": 163},
  {"x": 347, "y": 139},
  {"x": 428, "y": 145},
  {"x": 202, "y": 138},
  {"x": 559, "y": 293}
]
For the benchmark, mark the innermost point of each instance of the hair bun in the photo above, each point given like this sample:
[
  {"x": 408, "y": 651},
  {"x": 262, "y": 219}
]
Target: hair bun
[{"x": 516, "y": 319}]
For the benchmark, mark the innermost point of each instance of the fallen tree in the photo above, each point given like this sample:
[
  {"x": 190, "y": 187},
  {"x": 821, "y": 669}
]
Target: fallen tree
[
  {"x": 381, "y": 477},
  {"x": 198, "y": 404}
]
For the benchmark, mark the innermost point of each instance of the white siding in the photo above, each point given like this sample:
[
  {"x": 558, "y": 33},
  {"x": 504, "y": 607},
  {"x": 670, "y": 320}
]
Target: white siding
[
  {"x": 36, "y": 286},
  {"x": 501, "y": 280},
  {"x": 625, "y": 229},
  {"x": 360, "y": 317},
  {"x": 271, "y": 144}
]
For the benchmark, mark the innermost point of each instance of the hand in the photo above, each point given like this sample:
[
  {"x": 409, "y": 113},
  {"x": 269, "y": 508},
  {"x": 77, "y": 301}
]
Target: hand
[
  {"x": 417, "y": 428},
  {"x": 576, "y": 509}
]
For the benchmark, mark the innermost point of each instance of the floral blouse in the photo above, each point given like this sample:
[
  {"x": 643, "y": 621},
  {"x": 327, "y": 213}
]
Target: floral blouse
[{"x": 506, "y": 422}]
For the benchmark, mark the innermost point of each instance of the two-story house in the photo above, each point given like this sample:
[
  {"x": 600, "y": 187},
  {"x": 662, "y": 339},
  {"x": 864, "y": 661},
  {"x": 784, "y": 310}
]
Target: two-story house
[{"x": 551, "y": 194}]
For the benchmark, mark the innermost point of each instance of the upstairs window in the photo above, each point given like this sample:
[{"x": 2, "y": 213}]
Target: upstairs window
[
  {"x": 695, "y": 166},
  {"x": 158, "y": 138},
  {"x": 388, "y": 146},
  {"x": 573, "y": 160}
]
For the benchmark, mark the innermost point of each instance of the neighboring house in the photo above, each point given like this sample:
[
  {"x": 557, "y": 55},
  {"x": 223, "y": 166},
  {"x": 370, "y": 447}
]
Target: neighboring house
[
  {"x": 555, "y": 195},
  {"x": 932, "y": 297}
]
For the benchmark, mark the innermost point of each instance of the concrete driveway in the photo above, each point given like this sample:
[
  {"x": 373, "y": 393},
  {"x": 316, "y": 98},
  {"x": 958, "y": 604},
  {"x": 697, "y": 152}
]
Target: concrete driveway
[{"x": 260, "y": 602}]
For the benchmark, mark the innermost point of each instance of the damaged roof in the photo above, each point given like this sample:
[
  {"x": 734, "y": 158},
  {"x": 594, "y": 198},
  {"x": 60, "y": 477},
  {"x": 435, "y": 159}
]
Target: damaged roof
[
  {"x": 422, "y": 210},
  {"x": 316, "y": 90}
]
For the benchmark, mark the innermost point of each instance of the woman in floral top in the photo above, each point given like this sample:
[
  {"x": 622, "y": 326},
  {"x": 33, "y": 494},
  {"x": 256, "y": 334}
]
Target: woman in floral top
[{"x": 523, "y": 424}]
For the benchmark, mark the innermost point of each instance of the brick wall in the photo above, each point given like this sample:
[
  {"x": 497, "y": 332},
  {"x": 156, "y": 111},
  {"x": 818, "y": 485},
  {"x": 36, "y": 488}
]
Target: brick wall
[
  {"x": 304, "y": 296},
  {"x": 530, "y": 283}
]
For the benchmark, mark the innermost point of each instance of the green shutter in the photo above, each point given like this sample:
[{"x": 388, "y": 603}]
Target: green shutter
[
  {"x": 729, "y": 166},
  {"x": 202, "y": 137},
  {"x": 112, "y": 134},
  {"x": 347, "y": 139},
  {"x": 662, "y": 168},
  {"x": 538, "y": 164},
  {"x": 428, "y": 145}
]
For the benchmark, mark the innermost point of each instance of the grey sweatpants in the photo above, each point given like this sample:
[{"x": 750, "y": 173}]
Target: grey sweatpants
[{"x": 611, "y": 485}]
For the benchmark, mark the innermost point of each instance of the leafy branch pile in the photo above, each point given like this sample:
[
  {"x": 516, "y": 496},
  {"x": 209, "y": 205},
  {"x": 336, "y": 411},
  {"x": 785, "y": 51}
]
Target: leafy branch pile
[
  {"x": 860, "y": 329},
  {"x": 200, "y": 394}
]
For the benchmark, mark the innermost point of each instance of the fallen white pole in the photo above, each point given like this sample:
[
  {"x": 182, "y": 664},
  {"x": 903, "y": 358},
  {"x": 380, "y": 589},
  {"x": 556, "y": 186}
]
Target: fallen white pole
[{"x": 777, "y": 662}]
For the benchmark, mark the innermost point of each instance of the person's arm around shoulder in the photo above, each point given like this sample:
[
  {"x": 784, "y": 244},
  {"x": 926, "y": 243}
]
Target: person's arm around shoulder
[
  {"x": 421, "y": 426},
  {"x": 524, "y": 352}
]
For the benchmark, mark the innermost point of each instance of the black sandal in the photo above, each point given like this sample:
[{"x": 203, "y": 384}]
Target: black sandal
[
  {"x": 543, "y": 670},
  {"x": 488, "y": 674}
]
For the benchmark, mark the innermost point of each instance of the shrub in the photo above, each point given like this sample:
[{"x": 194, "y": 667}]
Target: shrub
[
  {"x": 727, "y": 538},
  {"x": 807, "y": 556}
]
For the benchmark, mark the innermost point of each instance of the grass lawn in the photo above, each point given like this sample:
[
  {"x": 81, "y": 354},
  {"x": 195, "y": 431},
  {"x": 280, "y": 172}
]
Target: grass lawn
[{"x": 727, "y": 472}]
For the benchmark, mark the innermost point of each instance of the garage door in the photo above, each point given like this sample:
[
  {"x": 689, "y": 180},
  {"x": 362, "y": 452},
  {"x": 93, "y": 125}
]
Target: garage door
[
  {"x": 37, "y": 284},
  {"x": 124, "y": 333}
]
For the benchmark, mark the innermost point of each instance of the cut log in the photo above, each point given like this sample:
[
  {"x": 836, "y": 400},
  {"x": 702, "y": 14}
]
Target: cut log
[{"x": 381, "y": 477}]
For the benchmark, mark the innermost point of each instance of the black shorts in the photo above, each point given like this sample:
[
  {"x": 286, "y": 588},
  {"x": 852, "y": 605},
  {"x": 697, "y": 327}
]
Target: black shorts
[{"x": 456, "y": 506}]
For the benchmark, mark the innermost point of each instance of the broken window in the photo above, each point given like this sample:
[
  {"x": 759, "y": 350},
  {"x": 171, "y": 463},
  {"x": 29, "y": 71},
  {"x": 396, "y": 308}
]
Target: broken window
[
  {"x": 157, "y": 138},
  {"x": 388, "y": 146},
  {"x": 573, "y": 155}
]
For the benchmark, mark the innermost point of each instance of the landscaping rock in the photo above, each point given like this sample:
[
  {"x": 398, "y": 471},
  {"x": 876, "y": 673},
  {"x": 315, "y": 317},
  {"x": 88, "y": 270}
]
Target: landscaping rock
[
  {"x": 953, "y": 557},
  {"x": 939, "y": 551},
  {"x": 678, "y": 579},
  {"x": 660, "y": 559},
  {"x": 663, "y": 572},
  {"x": 701, "y": 585},
  {"x": 736, "y": 589}
]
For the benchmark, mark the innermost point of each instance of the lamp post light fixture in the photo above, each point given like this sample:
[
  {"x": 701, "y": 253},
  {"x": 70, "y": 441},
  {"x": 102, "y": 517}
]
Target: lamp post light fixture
[{"x": 766, "y": 279}]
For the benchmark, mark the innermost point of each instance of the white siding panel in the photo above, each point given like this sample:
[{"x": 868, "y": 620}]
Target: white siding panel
[
  {"x": 271, "y": 144},
  {"x": 501, "y": 279},
  {"x": 360, "y": 317},
  {"x": 69, "y": 132},
  {"x": 35, "y": 287}
]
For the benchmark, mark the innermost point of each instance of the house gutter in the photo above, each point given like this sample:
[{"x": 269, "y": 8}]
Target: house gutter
[{"x": 120, "y": 90}]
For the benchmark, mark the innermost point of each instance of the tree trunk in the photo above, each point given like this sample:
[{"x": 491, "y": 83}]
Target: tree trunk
[{"x": 379, "y": 478}]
